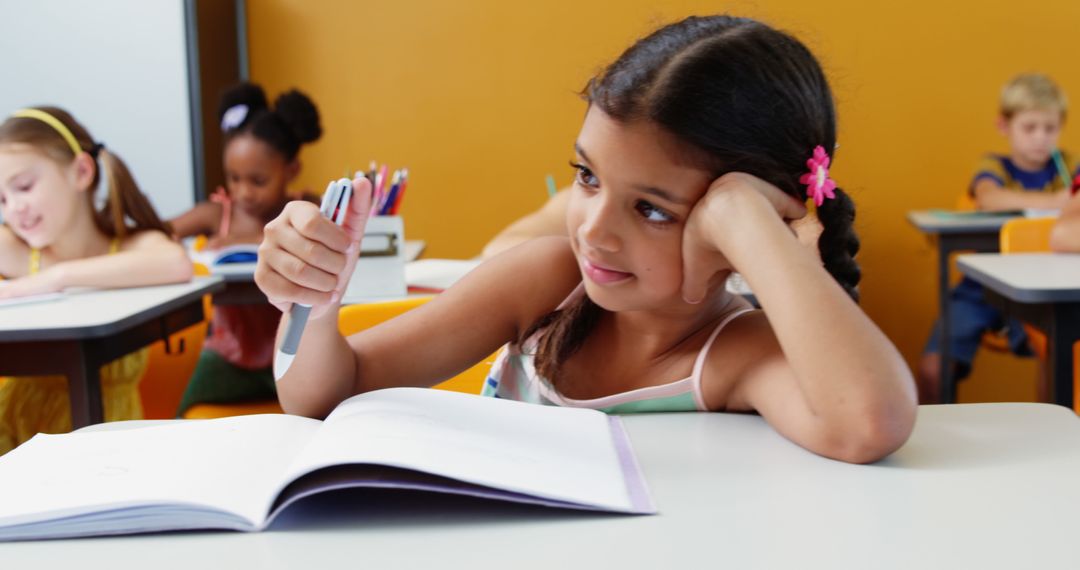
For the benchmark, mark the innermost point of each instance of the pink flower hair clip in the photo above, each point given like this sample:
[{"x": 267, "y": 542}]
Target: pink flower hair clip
[{"x": 818, "y": 184}]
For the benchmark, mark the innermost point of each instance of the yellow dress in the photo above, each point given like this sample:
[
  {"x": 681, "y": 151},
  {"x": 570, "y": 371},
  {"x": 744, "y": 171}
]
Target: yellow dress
[{"x": 32, "y": 404}]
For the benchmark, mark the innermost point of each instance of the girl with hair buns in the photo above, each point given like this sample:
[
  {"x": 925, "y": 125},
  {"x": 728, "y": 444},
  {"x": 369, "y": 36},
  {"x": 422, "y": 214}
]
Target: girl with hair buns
[
  {"x": 54, "y": 237},
  {"x": 262, "y": 144},
  {"x": 700, "y": 146}
]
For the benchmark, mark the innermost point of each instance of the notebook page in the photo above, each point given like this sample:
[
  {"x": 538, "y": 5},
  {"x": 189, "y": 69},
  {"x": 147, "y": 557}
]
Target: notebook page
[
  {"x": 228, "y": 463},
  {"x": 556, "y": 453}
]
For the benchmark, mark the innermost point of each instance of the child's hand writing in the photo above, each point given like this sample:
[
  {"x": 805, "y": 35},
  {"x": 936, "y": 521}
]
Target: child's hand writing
[
  {"x": 306, "y": 258},
  {"x": 734, "y": 208}
]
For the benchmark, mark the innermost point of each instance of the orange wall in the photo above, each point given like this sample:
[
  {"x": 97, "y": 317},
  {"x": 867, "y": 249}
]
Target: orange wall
[{"x": 478, "y": 98}]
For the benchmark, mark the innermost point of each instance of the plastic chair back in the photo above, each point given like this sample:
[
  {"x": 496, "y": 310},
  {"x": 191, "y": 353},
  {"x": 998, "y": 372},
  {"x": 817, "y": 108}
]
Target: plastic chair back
[{"x": 1026, "y": 235}]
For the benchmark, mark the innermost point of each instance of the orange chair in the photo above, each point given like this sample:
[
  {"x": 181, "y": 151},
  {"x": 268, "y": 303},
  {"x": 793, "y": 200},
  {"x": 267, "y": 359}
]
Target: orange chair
[
  {"x": 353, "y": 319},
  {"x": 991, "y": 340},
  {"x": 1024, "y": 235},
  {"x": 170, "y": 364}
]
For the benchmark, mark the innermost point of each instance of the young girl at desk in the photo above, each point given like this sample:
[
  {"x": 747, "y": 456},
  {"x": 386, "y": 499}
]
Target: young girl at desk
[
  {"x": 700, "y": 145},
  {"x": 262, "y": 145},
  {"x": 54, "y": 237}
]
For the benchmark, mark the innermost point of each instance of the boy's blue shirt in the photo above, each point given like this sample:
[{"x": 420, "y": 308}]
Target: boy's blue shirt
[{"x": 1002, "y": 170}]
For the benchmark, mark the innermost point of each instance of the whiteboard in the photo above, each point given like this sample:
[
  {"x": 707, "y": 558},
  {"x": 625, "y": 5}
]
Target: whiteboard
[{"x": 121, "y": 68}]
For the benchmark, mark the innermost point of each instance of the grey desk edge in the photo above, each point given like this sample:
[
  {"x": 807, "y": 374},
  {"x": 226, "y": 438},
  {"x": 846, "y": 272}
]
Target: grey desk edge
[
  {"x": 211, "y": 285},
  {"x": 1021, "y": 295},
  {"x": 928, "y": 223}
]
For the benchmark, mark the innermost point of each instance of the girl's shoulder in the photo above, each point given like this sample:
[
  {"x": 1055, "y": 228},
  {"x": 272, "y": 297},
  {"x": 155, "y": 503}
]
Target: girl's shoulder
[
  {"x": 14, "y": 254},
  {"x": 145, "y": 238},
  {"x": 745, "y": 342}
]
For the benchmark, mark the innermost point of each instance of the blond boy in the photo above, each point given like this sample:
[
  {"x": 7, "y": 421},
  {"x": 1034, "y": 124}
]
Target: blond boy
[{"x": 1034, "y": 174}]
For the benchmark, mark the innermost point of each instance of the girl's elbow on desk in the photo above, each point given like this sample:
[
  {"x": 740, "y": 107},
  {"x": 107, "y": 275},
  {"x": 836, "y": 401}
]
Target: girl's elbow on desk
[
  {"x": 184, "y": 271},
  {"x": 871, "y": 434}
]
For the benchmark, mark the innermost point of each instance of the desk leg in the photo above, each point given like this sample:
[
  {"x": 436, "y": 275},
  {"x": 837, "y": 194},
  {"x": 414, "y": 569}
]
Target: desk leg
[
  {"x": 1062, "y": 331},
  {"x": 947, "y": 245},
  {"x": 947, "y": 386},
  {"x": 84, "y": 388}
]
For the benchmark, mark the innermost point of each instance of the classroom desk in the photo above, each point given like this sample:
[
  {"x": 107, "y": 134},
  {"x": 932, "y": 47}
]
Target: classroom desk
[
  {"x": 960, "y": 233},
  {"x": 976, "y": 486},
  {"x": 80, "y": 332},
  {"x": 1042, "y": 289}
]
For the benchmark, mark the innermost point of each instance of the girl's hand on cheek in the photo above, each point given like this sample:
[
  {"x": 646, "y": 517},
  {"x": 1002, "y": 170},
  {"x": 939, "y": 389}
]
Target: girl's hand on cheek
[
  {"x": 306, "y": 258},
  {"x": 808, "y": 231},
  {"x": 733, "y": 209}
]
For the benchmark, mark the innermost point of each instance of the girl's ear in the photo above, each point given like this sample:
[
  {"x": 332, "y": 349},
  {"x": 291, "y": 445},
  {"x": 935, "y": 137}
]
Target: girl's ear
[
  {"x": 84, "y": 168},
  {"x": 292, "y": 170}
]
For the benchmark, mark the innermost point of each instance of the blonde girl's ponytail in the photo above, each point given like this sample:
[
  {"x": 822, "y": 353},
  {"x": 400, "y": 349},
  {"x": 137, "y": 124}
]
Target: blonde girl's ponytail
[{"x": 124, "y": 200}]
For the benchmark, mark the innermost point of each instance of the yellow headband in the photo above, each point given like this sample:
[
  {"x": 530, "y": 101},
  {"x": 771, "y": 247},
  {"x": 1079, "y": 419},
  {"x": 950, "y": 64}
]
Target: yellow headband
[{"x": 52, "y": 122}]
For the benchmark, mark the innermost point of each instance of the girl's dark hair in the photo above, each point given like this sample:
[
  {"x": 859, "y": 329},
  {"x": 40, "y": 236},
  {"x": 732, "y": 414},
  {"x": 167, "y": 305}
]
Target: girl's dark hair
[
  {"x": 290, "y": 123},
  {"x": 742, "y": 97},
  {"x": 124, "y": 201}
]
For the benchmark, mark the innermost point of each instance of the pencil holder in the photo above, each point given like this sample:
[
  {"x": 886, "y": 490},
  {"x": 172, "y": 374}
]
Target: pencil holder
[{"x": 379, "y": 274}]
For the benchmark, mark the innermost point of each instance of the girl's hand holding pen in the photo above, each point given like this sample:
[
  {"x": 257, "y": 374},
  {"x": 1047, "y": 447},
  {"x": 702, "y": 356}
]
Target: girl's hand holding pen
[{"x": 306, "y": 258}]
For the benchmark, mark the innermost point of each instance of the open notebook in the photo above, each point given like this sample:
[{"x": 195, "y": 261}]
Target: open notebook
[
  {"x": 231, "y": 254},
  {"x": 238, "y": 473}
]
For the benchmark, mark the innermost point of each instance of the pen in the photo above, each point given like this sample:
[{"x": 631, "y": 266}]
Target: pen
[
  {"x": 391, "y": 195},
  {"x": 401, "y": 191},
  {"x": 380, "y": 179},
  {"x": 335, "y": 205},
  {"x": 1063, "y": 171}
]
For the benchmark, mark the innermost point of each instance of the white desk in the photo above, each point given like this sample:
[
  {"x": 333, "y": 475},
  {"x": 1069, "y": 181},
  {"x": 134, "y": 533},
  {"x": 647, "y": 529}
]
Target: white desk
[
  {"x": 78, "y": 333},
  {"x": 953, "y": 231},
  {"x": 977, "y": 486},
  {"x": 1042, "y": 289}
]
